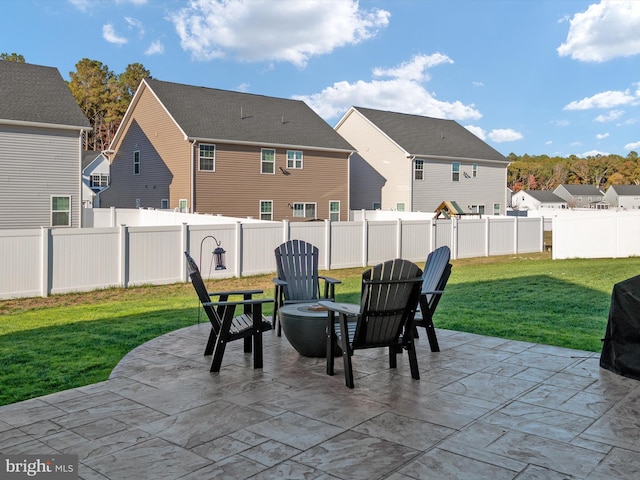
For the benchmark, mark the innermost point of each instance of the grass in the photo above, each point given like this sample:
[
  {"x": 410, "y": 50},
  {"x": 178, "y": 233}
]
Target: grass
[{"x": 65, "y": 341}]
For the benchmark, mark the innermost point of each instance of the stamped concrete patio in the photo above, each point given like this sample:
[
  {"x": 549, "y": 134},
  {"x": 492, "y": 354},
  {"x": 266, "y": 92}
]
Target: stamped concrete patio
[{"x": 485, "y": 408}]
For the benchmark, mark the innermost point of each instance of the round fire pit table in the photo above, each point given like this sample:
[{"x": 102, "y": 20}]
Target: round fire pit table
[{"x": 305, "y": 326}]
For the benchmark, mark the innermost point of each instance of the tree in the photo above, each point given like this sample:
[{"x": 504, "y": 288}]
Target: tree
[
  {"x": 104, "y": 97},
  {"x": 12, "y": 57}
]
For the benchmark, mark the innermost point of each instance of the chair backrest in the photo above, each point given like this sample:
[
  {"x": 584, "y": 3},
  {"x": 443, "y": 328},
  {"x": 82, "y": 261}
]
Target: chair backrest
[
  {"x": 436, "y": 270},
  {"x": 390, "y": 293},
  {"x": 297, "y": 264},
  {"x": 203, "y": 295}
]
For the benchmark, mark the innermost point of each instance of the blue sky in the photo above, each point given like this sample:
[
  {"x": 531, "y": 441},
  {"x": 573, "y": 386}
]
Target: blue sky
[{"x": 527, "y": 76}]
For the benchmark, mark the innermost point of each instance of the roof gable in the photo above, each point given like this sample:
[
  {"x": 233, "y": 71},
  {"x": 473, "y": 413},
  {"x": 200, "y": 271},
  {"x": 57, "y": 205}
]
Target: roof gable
[
  {"x": 222, "y": 115},
  {"x": 581, "y": 189},
  {"x": 626, "y": 190},
  {"x": 431, "y": 137},
  {"x": 543, "y": 196},
  {"x": 37, "y": 94}
]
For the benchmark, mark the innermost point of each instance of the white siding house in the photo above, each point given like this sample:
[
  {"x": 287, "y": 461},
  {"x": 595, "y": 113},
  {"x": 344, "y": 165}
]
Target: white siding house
[
  {"x": 95, "y": 177},
  {"x": 581, "y": 196},
  {"x": 41, "y": 128},
  {"x": 536, "y": 200},
  {"x": 623, "y": 196},
  {"x": 414, "y": 163}
]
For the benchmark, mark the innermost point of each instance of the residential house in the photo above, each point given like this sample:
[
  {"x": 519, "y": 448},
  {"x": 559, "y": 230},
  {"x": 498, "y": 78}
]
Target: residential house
[
  {"x": 41, "y": 133},
  {"x": 536, "y": 200},
  {"x": 95, "y": 177},
  {"x": 581, "y": 196},
  {"x": 214, "y": 151},
  {"x": 414, "y": 163},
  {"x": 623, "y": 196}
]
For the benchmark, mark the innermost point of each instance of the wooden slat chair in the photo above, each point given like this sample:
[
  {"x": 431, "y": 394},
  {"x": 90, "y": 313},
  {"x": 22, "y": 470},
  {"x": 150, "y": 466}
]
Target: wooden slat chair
[
  {"x": 298, "y": 279},
  {"x": 437, "y": 270},
  {"x": 226, "y": 326},
  {"x": 384, "y": 318}
]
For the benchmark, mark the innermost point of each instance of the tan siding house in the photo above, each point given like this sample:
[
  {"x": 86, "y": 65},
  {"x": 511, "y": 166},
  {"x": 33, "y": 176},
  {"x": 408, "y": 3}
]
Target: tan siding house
[
  {"x": 41, "y": 129},
  {"x": 221, "y": 152},
  {"x": 414, "y": 163}
]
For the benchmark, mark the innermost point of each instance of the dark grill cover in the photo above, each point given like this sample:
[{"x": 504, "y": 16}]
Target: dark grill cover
[{"x": 621, "y": 348}]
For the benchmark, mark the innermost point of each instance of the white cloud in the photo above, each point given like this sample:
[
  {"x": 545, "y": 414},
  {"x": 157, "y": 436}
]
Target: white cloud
[
  {"x": 561, "y": 123},
  {"x": 608, "y": 99},
  {"x": 548, "y": 142},
  {"x": 415, "y": 69},
  {"x": 601, "y": 136},
  {"x": 632, "y": 146},
  {"x": 604, "y": 31},
  {"x": 477, "y": 84},
  {"x": 110, "y": 35},
  {"x": 264, "y": 30},
  {"x": 500, "y": 135},
  {"x": 133, "y": 23},
  {"x": 593, "y": 153},
  {"x": 609, "y": 117},
  {"x": 398, "y": 94},
  {"x": 133, "y": 2},
  {"x": 477, "y": 131},
  {"x": 155, "y": 48},
  {"x": 82, "y": 5}
]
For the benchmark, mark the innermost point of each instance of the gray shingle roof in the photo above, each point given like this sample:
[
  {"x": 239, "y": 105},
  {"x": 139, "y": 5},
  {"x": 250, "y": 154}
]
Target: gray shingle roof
[
  {"x": 545, "y": 196},
  {"x": 626, "y": 190},
  {"x": 89, "y": 156},
  {"x": 582, "y": 189},
  {"x": 426, "y": 136},
  {"x": 209, "y": 113},
  {"x": 33, "y": 93}
]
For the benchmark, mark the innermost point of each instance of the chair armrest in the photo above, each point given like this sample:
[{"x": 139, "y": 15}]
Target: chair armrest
[
  {"x": 431, "y": 292},
  {"x": 253, "y": 301},
  {"x": 278, "y": 282},
  {"x": 333, "y": 281},
  {"x": 237, "y": 292},
  {"x": 345, "y": 308}
]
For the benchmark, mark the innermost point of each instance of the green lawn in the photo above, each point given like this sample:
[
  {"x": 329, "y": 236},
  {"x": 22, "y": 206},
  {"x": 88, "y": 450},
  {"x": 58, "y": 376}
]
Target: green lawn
[{"x": 64, "y": 341}]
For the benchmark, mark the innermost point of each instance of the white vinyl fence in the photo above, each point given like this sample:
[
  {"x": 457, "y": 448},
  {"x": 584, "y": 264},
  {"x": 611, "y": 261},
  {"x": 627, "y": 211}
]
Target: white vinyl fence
[
  {"x": 40, "y": 262},
  {"x": 599, "y": 234}
]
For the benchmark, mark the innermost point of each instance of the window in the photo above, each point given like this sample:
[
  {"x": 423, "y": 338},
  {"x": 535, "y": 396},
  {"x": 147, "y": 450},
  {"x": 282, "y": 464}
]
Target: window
[
  {"x": 294, "y": 159},
  {"x": 418, "y": 170},
  {"x": 334, "y": 211},
  {"x": 99, "y": 180},
  {"x": 268, "y": 164},
  {"x": 138, "y": 203},
  {"x": 477, "y": 209},
  {"x": 266, "y": 209},
  {"x": 455, "y": 172},
  {"x": 304, "y": 210},
  {"x": 136, "y": 162},
  {"x": 61, "y": 211},
  {"x": 496, "y": 209},
  {"x": 377, "y": 205},
  {"x": 182, "y": 205},
  {"x": 164, "y": 203},
  {"x": 207, "y": 158},
  {"x": 474, "y": 171},
  {"x": 400, "y": 207}
]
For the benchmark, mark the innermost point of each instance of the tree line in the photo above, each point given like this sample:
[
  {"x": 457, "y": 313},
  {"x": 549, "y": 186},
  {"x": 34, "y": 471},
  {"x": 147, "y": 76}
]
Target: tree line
[
  {"x": 541, "y": 172},
  {"x": 104, "y": 97}
]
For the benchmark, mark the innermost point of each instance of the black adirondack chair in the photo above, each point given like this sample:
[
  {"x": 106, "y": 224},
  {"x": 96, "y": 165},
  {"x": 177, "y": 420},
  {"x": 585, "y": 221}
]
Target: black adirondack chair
[
  {"x": 298, "y": 279},
  {"x": 437, "y": 270},
  {"x": 384, "y": 318},
  {"x": 226, "y": 326}
]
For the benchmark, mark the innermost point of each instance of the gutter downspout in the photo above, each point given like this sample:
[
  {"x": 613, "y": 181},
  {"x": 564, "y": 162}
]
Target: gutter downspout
[
  {"x": 413, "y": 159},
  {"x": 193, "y": 178}
]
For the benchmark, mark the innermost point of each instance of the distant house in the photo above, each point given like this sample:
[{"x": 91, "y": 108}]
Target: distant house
[
  {"x": 414, "y": 163},
  {"x": 536, "y": 200},
  {"x": 623, "y": 196},
  {"x": 215, "y": 151},
  {"x": 95, "y": 177},
  {"x": 581, "y": 196},
  {"x": 41, "y": 132}
]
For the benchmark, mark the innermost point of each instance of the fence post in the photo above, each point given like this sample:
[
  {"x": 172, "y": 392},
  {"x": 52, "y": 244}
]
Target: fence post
[
  {"x": 515, "y": 235},
  {"x": 365, "y": 241},
  {"x": 112, "y": 216},
  {"x": 487, "y": 236},
  {"x": 183, "y": 248},
  {"x": 286, "y": 231},
  {"x": 238, "y": 254},
  {"x": 123, "y": 259},
  {"x": 454, "y": 237},
  {"x": 399, "y": 238},
  {"x": 45, "y": 245},
  {"x": 327, "y": 244},
  {"x": 433, "y": 229}
]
